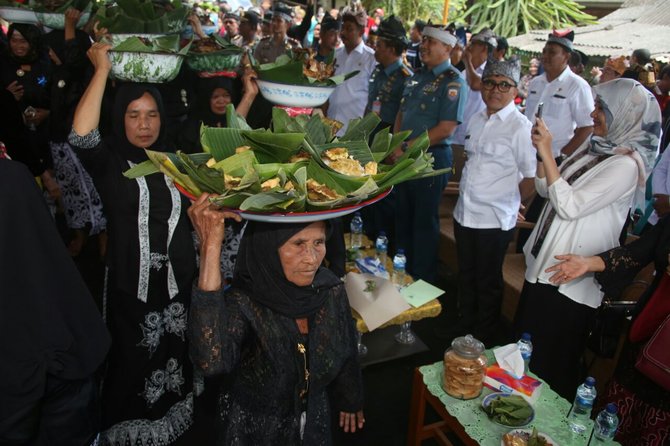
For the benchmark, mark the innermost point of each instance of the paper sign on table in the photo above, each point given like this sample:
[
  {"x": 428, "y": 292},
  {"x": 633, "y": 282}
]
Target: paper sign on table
[
  {"x": 420, "y": 292},
  {"x": 376, "y": 299}
]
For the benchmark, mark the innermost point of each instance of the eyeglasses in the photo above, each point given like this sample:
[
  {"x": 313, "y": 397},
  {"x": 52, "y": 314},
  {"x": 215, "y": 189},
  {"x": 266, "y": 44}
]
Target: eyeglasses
[{"x": 503, "y": 86}]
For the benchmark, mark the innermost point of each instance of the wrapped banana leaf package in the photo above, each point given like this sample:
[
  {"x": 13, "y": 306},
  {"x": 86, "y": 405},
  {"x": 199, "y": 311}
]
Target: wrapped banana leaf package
[{"x": 296, "y": 168}]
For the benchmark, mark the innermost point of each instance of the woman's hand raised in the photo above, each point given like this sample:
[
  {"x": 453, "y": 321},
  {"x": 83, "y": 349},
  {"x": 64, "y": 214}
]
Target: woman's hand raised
[
  {"x": 98, "y": 56},
  {"x": 542, "y": 139}
]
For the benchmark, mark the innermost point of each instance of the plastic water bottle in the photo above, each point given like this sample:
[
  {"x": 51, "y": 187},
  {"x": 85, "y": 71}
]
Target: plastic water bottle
[
  {"x": 581, "y": 408},
  {"x": 606, "y": 423},
  {"x": 526, "y": 349},
  {"x": 356, "y": 228},
  {"x": 382, "y": 246},
  {"x": 399, "y": 264}
]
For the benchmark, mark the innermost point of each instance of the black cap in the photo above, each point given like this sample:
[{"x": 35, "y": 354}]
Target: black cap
[
  {"x": 284, "y": 11},
  {"x": 328, "y": 23},
  {"x": 419, "y": 24},
  {"x": 502, "y": 43},
  {"x": 563, "y": 38},
  {"x": 251, "y": 18},
  {"x": 642, "y": 55},
  {"x": 232, "y": 15},
  {"x": 392, "y": 29}
]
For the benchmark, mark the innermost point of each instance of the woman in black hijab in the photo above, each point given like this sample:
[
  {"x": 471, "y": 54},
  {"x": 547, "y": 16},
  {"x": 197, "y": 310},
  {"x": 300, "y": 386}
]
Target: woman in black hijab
[
  {"x": 52, "y": 337},
  {"x": 212, "y": 97},
  {"x": 26, "y": 72},
  {"x": 283, "y": 335},
  {"x": 148, "y": 388}
]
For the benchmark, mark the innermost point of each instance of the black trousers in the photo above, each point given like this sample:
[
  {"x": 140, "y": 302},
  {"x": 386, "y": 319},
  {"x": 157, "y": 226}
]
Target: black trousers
[
  {"x": 559, "y": 327},
  {"x": 67, "y": 415},
  {"x": 481, "y": 253}
]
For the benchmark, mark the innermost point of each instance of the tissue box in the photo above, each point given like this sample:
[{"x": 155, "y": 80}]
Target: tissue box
[{"x": 502, "y": 381}]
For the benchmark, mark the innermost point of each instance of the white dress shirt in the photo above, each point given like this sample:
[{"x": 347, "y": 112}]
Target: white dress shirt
[
  {"x": 660, "y": 182},
  {"x": 589, "y": 216},
  {"x": 474, "y": 105},
  {"x": 568, "y": 103},
  {"x": 349, "y": 99},
  {"x": 499, "y": 152}
]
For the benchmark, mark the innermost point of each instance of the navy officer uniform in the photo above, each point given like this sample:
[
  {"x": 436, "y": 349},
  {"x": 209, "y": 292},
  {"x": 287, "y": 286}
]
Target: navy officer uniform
[{"x": 436, "y": 93}]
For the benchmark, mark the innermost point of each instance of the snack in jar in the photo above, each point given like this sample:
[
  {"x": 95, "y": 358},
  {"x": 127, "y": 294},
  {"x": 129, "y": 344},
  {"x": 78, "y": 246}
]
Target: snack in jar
[{"x": 464, "y": 368}]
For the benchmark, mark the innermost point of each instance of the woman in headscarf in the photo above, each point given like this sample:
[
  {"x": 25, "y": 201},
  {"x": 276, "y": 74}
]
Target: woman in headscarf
[
  {"x": 588, "y": 202},
  {"x": 26, "y": 73},
  {"x": 213, "y": 96},
  {"x": 147, "y": 393},
  {"x": 283, "y": 335},
  {"x": 52, "y": 337}
]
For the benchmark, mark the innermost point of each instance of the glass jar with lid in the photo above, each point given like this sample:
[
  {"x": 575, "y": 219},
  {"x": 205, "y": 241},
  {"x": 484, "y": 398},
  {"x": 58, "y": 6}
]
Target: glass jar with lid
[{"x": 464, "y": 368}]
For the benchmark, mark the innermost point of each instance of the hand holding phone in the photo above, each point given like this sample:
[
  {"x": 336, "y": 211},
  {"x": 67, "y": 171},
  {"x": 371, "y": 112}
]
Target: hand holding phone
[{"x": 540, "y": 106}]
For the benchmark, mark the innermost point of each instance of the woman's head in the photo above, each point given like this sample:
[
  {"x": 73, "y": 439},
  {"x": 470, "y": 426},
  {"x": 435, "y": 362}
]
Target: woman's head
[
  {"x": 214, "y": 95},
  {"x": 627, "y": 119},
  {"x": 140, "y": 108},
  {"x": 24, "y": 41},
  {"x": 279, "y": 265},
  {"x": 301, "y": 255}
]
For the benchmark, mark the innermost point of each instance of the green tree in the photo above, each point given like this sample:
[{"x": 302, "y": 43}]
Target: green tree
[{"x": 512, "y": 17}]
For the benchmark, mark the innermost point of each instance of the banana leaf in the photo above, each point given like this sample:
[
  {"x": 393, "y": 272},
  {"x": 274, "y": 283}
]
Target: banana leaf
[
  {"x": 207, "y": 179},
  {"x": 164, "y": 44},
  {"x": 237, "y": 165},
  {"x": 234, "y": 120},
  {"x": 141, "y": 170},
  {"x": 165, "y": 163},
  {"x": 357, "y": 149},
  {"x": 360, "y": 129},
  {"x": 286, "y": 70},
  {"x": 220, "y": 142},
  {"x": 271, "y": 170},
  {"x": 273, "y": 147},
  {"x": 280, "y": 200},
  {"x": 232, "y": 201}
]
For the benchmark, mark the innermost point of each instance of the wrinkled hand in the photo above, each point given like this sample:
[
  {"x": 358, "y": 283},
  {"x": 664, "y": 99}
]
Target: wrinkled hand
[
  {"x": 16, "y": 90},
  {"x": 97, "y": 54},
  {"x": 209, "y": 221},
  {"x": 662, "y": 204},
  {"x": 571, "y": 267},
  {"x": 349, "y": 422},
  {"x": 541, "y": 137}
]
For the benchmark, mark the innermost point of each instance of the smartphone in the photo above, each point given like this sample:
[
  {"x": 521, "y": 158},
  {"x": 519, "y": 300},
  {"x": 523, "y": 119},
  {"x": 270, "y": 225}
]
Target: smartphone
[{"x": 540, "y": 106}]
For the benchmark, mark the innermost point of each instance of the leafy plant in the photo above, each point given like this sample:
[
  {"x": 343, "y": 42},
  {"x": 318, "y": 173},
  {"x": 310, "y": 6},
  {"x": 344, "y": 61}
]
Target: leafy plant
[
  {"x": 512, "y": 17},
  {"x": 143, "y": 17}
]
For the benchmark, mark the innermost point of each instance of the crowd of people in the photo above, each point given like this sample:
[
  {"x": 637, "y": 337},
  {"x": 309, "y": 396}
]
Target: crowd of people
[{"x": 192, "y": 292}]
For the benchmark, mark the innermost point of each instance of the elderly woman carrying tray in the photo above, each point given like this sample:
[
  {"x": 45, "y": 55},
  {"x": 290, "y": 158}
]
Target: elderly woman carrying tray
[{"x": 283, "y": 334}]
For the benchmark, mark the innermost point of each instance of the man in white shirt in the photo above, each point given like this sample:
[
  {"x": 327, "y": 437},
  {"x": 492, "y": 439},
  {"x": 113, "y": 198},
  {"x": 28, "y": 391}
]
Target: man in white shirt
[
  {"x": 477, "y": 52},
  {"x": 567, "y": 98},
  {"x": 349, "y": 99},
  {"x": 500, "y": 169}
]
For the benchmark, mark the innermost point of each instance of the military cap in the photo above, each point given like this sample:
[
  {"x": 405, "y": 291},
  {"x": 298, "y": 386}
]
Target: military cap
[
  {"x": 252, "y": 18},
  {"x": 284, "y": 11}
]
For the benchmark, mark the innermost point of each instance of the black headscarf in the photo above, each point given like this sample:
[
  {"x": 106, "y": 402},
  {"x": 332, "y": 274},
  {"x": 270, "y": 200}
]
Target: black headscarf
[
  {"x": 49, "y": 323},
  {"x": 126, "y": 94},
  {"x": 258, "y": 271},
  {"x": 34, "y": 37},
  {"x": 205, "y": 90}
]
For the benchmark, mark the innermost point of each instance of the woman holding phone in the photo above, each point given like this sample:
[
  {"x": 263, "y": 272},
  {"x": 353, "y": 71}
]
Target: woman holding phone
[{"x": 587, "y": 203}]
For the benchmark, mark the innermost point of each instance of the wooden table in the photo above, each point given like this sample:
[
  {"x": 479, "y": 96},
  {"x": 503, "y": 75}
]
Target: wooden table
[{"x": 418, "y": 431}]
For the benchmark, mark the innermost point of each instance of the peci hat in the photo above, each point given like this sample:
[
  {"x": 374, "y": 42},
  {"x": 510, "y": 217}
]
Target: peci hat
[
  {"x": 419, "y": 25},
  {"x": 485, "y": 36},
  {"x": 440, "y": 34},
  {"x": 357, "y": 16},
  {"x": 252, "y": 18},
  {"x": 509, "y": 68},
  {"x": 328, "y": 23},
  {"x": 392, "y": 29},
  {"x": 642, "y": 55},
  {"x": 233, "y": 16},
  {"x": 563, "y": 38},
  {"x": 283, "y": 11}
]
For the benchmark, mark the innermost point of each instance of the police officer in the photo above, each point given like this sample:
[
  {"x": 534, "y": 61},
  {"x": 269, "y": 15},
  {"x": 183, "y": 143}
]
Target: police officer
[
  {"x": 277, "y": 43},
  {"x": 388, "y": 79},
  {"x": 384, "y": 94},
  {"x": 433, "y": 102},
  {"x": 248, "y": 37},
  {"x": 231, "y": 23}
]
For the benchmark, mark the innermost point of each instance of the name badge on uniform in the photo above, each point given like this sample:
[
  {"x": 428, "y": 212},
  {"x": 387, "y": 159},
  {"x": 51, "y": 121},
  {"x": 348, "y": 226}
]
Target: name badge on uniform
[{"x": 377, "y": 106}]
